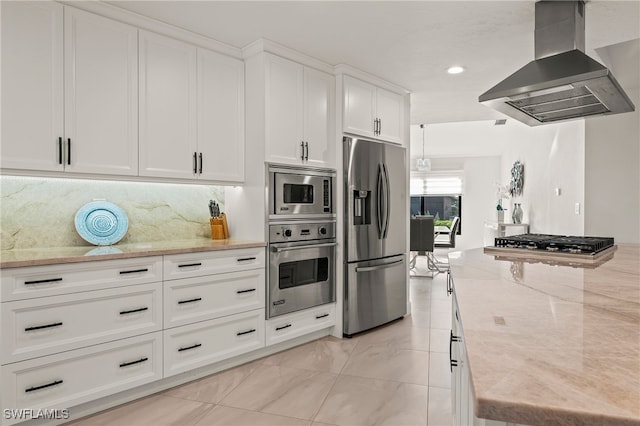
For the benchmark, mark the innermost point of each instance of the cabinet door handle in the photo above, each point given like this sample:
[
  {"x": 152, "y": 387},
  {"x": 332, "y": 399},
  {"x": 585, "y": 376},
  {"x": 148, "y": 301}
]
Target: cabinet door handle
[
  {"x": 60, "y": 150},
  {"x": 69, "y": 151},
  {"x": 282, "y": 327},
  {"x": 187, "y": 348},
  {"x": 195, "y": 163},
  {"x": 48, "y": 385},
  {"x": 134, "y": 271},
  {"x": 322, "y": 316},
  {"x": 133, "y": 311},
  {"x": 182, "y": 302},
  {"x": 452, "y": 362},
  {"x": 302, "y": 151},
  {"x": 48, "y": 280},
  {"x": 245, "y": 259},
  {"x": 187, "y": 265},
  {"x": 306, "y": 149},
  {"x": 141, "y": 360},
  {"x": 379, "y": 126},
  {"x": 200, "y": 168},
  {"x": 40, "y": 327},
  {"x": 249, "y": 290},
  {"x": 240, "y": 333}
]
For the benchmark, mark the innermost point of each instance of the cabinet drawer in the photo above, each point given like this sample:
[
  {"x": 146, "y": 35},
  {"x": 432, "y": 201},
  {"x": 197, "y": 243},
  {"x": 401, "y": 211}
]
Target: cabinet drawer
[
  {"x": 196, "y": 345},
  {"x": 196, "y": 299},
  {"x": 64, "y": 380},
  {"x": 32, "y": 328},
  {"x": 199, "y": 264},
  {"x": 300, "y": 323},
  {"x": 52, "y": 280}
]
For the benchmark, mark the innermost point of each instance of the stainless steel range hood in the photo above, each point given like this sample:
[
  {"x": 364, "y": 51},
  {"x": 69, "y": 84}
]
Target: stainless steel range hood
[{"x": 562, "y": 83}]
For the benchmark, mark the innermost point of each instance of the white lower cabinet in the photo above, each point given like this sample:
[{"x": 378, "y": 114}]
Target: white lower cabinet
[
  {"x": 206, "y": 342},
  {"x": 71, "y": 378},
  {"x": 201, "y": 298},
  {"x": 297, "y": 324},
  {"x": 37, "y": 327}
]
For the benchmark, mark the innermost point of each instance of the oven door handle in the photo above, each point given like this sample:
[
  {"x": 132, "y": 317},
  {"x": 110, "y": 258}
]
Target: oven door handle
[
  {"x": 309, "y": 246},
  {"x": 383, "y": 266}
]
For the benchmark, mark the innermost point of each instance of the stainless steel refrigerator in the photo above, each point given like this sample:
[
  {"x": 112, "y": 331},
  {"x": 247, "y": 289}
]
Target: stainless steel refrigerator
[{"x": 375, "y": 290}]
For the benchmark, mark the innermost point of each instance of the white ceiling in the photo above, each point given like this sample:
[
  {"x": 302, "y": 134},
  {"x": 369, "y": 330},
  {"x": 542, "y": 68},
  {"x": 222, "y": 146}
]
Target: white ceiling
[{"x": 409, "y": 43}]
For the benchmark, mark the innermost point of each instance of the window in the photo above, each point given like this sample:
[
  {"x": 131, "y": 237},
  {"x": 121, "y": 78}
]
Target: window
[{"x": 439, "y": 196}]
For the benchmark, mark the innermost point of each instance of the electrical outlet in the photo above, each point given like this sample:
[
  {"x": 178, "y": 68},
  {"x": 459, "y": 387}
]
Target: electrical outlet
[{"x": 577, "y": 208}]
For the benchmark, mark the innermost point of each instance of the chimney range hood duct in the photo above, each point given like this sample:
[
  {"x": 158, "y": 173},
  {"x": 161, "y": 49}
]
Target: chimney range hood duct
[{"x": 562, "y": 83}]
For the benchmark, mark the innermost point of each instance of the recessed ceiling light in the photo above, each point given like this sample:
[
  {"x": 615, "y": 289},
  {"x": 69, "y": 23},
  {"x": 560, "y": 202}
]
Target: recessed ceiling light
[{"x": 456, "y": 69}]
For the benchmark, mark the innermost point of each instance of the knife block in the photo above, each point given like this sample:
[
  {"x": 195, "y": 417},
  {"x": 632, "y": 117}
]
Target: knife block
[{"x": 219, "y": 227}]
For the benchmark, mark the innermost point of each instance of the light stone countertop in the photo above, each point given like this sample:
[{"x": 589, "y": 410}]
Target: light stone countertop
[
  {"x": 552, "y": 344},
  {"x": 57, "y": 255}
]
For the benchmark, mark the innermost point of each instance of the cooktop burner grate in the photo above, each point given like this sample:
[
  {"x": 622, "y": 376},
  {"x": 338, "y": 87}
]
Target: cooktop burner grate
[{"x": 556, "y": 243}]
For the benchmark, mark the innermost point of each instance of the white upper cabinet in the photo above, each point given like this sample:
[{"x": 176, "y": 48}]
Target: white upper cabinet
[
  {"x": 372, "y": 111},
  {"x": 68, "y": 109},
  {"x": 220, "y": 117},
  {"x": 168, "y": 146},
  {"x": 299, "y": 105},
  {"x": 32, "y": 85},
  {"x": 101, "y": 94},
  {"x": 191, "y": 111}
]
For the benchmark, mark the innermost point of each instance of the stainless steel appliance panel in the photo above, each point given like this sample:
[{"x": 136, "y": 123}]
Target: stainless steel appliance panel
[
  {"x": 301, "y": 275},
  {"x": 375, "y": 198},
  {"x": 296, "y": 193},
  {"x": 375, "y": 293}
]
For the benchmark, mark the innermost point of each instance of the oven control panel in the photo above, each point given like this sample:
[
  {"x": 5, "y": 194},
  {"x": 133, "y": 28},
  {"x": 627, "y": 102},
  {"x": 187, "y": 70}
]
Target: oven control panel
[{"x": 301, "y": 231}]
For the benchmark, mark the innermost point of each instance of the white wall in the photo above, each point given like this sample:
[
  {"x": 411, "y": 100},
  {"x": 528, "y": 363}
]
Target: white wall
[
  {"x": 612, "y": 176},
  {"x": 553, "y": 157}
]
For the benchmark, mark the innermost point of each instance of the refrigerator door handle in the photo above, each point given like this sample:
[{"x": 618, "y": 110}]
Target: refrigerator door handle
[
  {"x": 379, "y": 189},
  {"x": 383, "y": 266},
  {"x": 387, "y": 197}
]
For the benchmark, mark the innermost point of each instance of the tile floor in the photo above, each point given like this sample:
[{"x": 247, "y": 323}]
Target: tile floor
[{"x": 395, "y": 375}]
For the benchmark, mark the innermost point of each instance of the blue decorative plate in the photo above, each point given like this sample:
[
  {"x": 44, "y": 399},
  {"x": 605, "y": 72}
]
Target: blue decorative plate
[{"x": 101, "y": 223}]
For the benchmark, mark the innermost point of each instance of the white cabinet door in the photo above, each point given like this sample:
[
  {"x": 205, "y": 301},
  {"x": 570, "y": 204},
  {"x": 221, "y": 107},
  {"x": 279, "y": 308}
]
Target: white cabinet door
[
  {"x": 167, "y": 107},
  {"x": 101, "y": 95},
  {"x": 319, "y": 89},
  {"x": 389, "y": 111},
  {"x": 220, "y": 117},
  {"x": 284, "y": 110},
  {"x": 32, "y": 85},
  {"x": 359, "y": 107}
]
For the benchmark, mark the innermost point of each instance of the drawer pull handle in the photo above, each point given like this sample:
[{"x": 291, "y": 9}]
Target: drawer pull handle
[
  {"x": 48, "y": 385},
  {"x": 141, "y": 360},
  {"x": 246, "y": 332},
  {"x": 186, "y": 348},
  {"x": 49, "y": 280},
  {"x": 245, "y": 259},
  {"x": 197, "y": 299},
  {"x": 133, "y": 311},
  {"x": 134, "y": 271},
  {"x": 249, "y": 290},
  {"x": 40, "y": 327},
  {"x": 187, "y": 265},
  {"x": 282, "y": 327},
  {"x": 322, "y": 316}
]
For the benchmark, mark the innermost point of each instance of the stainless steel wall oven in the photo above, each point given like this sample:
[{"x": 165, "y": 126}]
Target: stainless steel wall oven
[{"x": 302, "y": 239}]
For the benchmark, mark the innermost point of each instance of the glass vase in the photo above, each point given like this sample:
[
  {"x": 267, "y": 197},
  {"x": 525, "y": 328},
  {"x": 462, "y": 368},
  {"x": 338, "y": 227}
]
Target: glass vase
[{"x": 516, "y": 214}]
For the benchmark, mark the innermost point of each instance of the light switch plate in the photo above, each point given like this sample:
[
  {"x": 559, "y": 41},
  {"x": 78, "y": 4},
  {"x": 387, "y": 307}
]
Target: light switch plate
[{"x": 577, "y": 208}]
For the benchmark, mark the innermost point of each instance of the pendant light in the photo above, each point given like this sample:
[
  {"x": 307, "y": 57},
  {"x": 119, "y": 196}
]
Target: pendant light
[{"x": 423, "y": 164}]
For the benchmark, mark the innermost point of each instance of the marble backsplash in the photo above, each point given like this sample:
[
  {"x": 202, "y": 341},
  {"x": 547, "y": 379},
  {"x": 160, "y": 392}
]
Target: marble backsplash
[{"x": 40, "y": 212}]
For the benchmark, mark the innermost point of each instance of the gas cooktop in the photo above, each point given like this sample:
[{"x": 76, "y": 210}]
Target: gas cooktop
[{"x": 555, "y": 243}]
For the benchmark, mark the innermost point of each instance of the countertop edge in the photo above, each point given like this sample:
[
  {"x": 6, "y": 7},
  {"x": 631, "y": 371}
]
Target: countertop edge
[{"x": 197, "y": 247}]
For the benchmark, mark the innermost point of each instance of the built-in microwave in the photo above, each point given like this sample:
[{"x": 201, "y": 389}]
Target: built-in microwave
[{"x": 297, "y": 193}]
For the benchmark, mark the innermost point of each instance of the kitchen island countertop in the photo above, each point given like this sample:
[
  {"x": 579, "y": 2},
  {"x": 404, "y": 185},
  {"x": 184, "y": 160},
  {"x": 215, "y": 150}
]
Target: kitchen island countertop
[
  {"x": 57, "y": 255},
  {"x": 552, "y": 344}
]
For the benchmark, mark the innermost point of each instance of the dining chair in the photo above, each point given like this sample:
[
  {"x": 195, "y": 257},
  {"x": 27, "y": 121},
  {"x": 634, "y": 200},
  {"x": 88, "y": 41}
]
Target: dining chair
[{"x": 421, "y": 241}]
